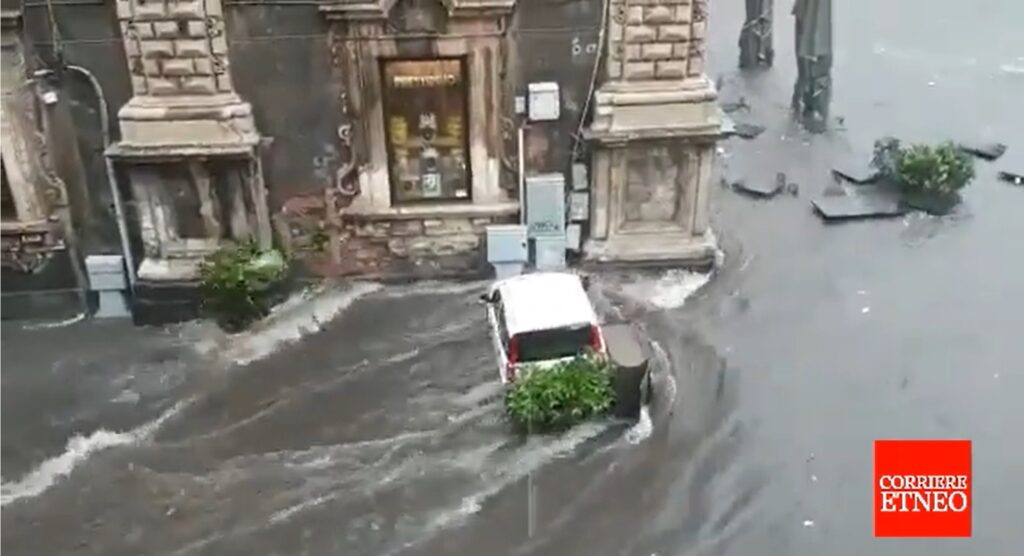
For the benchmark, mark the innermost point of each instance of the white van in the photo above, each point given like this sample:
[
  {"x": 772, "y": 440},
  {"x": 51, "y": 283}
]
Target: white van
[{"x": 540, "y": 319}]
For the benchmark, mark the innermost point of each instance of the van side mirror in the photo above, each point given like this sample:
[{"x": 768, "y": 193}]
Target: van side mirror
[
  {"x": 487, "y": 297},
  {"x": 585, "y": 280}
]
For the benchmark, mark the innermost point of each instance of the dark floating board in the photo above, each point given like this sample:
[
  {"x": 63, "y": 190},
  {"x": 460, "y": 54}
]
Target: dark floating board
[
  {"x": 757, "y": 190},
  {"x": 763, "y": 189},
  {"x": 1010, "y": 177},
  {"x": 856, "y": 173},
  {"x": 747, "y": 131},
  {"x": 874, "y": 203},
  {"x": 987, "y": 151}
]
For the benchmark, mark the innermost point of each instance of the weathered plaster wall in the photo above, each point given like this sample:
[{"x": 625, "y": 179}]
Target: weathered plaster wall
[
  {"x": 281, "y": 62},
  {"x": 555, "y": 41},
  {"x": 88, "y": 38}
]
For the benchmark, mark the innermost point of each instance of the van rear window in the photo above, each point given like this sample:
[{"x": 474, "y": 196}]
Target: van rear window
[{"x": 553, "y": 344}]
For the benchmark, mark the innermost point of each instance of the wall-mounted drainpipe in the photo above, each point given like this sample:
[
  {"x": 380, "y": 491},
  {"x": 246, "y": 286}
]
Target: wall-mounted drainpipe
[
  {"x": 522, "y": 176},
  {"x": 115, "y": 192}
]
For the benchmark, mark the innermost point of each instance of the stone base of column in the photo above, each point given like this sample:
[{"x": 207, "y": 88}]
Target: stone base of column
[
  {"x": 193, "y": 125},
  {"x": 654, "y": 249},
  {"x": 652, "y": 145},
  {"x": 637, "y": 108}
]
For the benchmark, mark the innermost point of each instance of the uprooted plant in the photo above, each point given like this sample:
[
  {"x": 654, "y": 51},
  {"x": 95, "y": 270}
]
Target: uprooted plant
[
  {"x": 236, "y": 283},
  {"x": 560, "y": 396},
  {"x": 920, "y": 169}
]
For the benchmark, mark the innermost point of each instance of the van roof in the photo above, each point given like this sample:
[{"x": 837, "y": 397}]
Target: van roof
[{"x": 544, "y": 301}]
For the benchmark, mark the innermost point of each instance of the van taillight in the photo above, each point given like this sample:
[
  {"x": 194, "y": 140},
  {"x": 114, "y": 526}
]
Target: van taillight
[
  {"x": 513, "y": 357},
  {"x": 595, "y": 339}
]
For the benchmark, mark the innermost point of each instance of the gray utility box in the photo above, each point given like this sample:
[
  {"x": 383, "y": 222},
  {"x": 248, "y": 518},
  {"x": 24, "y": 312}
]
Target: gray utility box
[
  {"x": 549, "y": 252},
  {"x": 507, "y": 249},
  {"x": 545, "y": 219},
  {"x": 107, "y": 277},
  {"x": 545, "y": 205}
]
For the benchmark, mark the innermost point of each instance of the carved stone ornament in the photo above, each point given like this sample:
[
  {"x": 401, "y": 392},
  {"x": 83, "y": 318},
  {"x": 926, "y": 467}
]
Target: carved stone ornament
[{"x": 379, "y": 9}]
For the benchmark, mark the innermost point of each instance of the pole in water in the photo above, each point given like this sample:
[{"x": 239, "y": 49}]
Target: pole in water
[
  {"x": 756, "y": 35},
  {"x": 530, "y": 513},
  {"x": 812, "y": 92}
]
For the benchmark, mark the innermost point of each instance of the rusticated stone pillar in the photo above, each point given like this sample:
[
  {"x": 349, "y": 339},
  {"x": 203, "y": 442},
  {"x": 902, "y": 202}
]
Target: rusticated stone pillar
[
  {"x": 178, "y": 59},
  {"x": 653, "y": 136},
  {"x": 189, "y": 144}
]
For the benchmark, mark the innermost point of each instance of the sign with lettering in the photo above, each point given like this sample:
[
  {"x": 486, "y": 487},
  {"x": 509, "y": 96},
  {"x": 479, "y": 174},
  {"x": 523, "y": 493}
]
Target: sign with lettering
[{"x": 420, "y": 81}]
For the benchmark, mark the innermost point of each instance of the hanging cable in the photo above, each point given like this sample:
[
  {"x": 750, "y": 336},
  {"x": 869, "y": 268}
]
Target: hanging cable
[{"x": 593, "y": 81}]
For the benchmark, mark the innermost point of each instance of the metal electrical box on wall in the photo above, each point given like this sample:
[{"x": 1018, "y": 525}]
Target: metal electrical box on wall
[
  {"x": 545, "y": 205},
  {"x": 507, "y": 249},
  {"x": 544, "y": 104},
  {"x": 506, "y": 243},
  {"x": 549, "y": 252}
]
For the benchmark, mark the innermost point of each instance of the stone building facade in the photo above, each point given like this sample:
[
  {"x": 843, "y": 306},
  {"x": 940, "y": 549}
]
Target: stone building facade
[
  {"x": 374, "y": 137},
  {"x": 189, "y": 147},
  {"x": 654, "y": 130},
  {"x": 401, "y": 217},
  {"x": 27, "y": 202},
  {"x": 41, "y": 189}
]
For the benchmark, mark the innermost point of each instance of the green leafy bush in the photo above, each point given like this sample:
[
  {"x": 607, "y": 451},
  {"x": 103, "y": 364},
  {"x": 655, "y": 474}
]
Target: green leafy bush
[
  {"x": 941, "y": 170},
  {"x": 237, "y": 281},
  {"x": 559, "y": 397}
]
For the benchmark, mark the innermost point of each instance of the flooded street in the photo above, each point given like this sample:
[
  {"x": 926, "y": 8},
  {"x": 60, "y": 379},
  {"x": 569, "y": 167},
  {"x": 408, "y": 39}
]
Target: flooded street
[{"x": 380, "y": 431}]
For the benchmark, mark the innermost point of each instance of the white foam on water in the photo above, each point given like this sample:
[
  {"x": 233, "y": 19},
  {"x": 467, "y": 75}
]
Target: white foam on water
[
  {"x": 283, "y": 515},
  {"x": 400, "y": 357},
  {"x": 663, "y": 386},
  {"x": 433, "y": 287},
  {"x": 1012, "y": 69},
  {"x": 301, "y": 315},
  {"x": 128, "y": 396},
  {"x": 56, "y": 324},
  {"x": 78, "y": 449},
  {"x": 669, "y": 291},
  {"x": 536, "y": 453},
  {"x": 643, "y": 427}
]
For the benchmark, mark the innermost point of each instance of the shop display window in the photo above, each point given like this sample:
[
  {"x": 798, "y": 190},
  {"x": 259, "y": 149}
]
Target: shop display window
[{"x": 425, "y": 118}]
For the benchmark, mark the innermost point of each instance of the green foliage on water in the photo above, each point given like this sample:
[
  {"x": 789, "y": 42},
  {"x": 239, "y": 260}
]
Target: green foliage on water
[
  {"x": 237, "y": 282},
  {"x": 556, "y": 398},
  {"x": 921, "y": 169}
]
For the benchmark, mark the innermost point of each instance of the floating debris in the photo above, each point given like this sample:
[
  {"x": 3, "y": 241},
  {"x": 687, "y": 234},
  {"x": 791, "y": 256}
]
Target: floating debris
[
  {"x": 747, "y": 131},
  {"x": 736, "y": 105},
  {"x": 986, "y": 151},
  {"x": 834, "y": 189},
  {"x": 856, "y": 172},
  {"x": 761, "y": 189},
  {"x": 1015, "y": 179},
  {"x": 867, "y": 202}
]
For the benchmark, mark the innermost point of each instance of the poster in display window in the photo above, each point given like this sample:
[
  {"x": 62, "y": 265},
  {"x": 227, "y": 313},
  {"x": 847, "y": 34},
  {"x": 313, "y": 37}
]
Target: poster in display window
[{"x": 425, "y": 112}]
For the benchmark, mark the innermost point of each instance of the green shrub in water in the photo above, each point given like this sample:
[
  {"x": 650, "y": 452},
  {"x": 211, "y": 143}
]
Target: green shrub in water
[
  {"x": 236, "y": 283},
  {"x": 561, "y": 396},
  {"x": 919, "y": 169}
]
